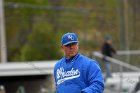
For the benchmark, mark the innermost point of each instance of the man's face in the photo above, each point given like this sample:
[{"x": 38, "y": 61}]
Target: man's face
[
  {"x": 70, "y": 49},
  {"x": 109, "y": 41}
]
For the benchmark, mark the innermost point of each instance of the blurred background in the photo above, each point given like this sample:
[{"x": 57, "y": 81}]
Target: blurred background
[{"x": 31, "y": 30}]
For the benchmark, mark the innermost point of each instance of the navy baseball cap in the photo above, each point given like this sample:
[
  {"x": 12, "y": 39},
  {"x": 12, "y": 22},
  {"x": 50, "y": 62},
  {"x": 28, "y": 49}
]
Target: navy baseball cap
[{"x": 69, "y": 38}]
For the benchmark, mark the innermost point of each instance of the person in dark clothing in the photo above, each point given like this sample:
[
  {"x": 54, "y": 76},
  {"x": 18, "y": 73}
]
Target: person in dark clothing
[
  {"x": 107, "y": 50},
  {"x": 137, "y": 87}
]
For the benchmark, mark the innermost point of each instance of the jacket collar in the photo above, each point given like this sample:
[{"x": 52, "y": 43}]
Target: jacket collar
[{"x": 72, "y": 58}]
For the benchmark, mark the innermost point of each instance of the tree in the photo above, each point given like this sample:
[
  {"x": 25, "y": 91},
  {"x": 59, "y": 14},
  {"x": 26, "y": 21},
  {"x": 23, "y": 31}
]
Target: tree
[{"x": 42, "y": 44}]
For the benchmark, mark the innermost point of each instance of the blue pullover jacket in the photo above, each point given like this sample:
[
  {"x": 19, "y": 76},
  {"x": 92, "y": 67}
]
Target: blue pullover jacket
[{"x": 79, "y": 74}]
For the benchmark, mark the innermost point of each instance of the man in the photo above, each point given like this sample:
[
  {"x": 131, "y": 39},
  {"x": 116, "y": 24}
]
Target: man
[
  {"x": 108, "y": 50},
  {"x": 76, "y": 73}
]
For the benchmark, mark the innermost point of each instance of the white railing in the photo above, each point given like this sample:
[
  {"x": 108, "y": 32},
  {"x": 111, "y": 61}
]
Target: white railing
[
  {"x": 121, "y": 78},
  {"x": 118, "y": 62},
  {"x": 129, "y": 52}
]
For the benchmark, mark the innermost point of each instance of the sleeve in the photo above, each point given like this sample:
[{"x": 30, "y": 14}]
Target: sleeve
[
  {"x": 112, "y": 49},
  {"x": 95, "y": 79},
  {"x": 54, "y": 74},
  {"x": 103, "y": 49}
]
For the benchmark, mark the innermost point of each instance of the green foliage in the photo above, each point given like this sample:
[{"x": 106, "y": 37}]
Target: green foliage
[
  {"x": 42, "y": 44},
  {"x": 31, "y": 25},
  {"x": 34, "y": 27}
]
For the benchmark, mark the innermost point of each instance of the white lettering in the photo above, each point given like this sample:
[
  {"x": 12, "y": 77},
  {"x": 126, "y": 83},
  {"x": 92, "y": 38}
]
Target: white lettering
[{"x": 63, "y": 75}]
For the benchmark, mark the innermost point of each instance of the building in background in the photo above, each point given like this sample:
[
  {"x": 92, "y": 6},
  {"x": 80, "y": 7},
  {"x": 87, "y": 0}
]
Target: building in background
[{"x": 30, "y": 77}]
